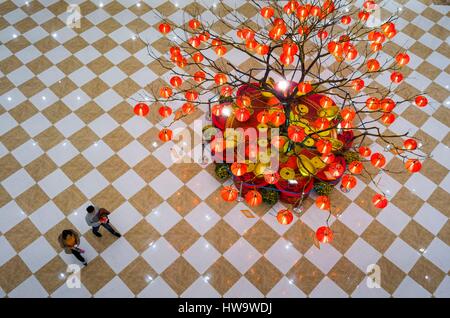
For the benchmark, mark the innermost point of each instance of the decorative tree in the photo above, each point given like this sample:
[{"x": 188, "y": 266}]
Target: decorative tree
[{"x": 312, "y": 71}]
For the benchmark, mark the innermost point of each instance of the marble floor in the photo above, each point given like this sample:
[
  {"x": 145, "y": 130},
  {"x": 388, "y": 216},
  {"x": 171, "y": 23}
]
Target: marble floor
[{"x": 68, "y": 137}]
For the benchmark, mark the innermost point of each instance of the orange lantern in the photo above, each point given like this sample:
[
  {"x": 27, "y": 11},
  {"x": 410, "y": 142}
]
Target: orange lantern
[
  {"x": 164, "y": 28},
  {"x": 413, "y": 165},
  {"x": 204, "y": 36},
  {"x": 388, "y": 27},
  {"x": 410, "y": 144},
  {"x": 165, "y": 134},
  {"x": 199, "y": 76},
  {"x": 375, "y": 47},
  {"x": 253, "y": 198},
  {"x": 379, "y": 201},
  {"x": 176, "y": 81},
  {"x": 285, "y": 217},
  {"x": 363, "y": 15},
  {"x": 324, "y": 234},
  {"x": 315, "y": 11},
  {"x": 243, "y": 101},
  {"x": 421, "y": 101},
  {"x": 220, "y": 79},
  {"x": 302, "y": 13},
  {"x": 322, "y": 34},
  {"x": 165, "y": 92},
  {"x": 373, "y": 65},
  {"x": 242, "y": 114},
  {"x": 356, "y": 167},
  {"x": 323, "y": 202},
  {"x": 335, "y": 48},
  {"x": 346, "y": 124},
  {"x": 271, "y": 177},
  {"x": 194, "y": 24},
  {"x": 365, "y": 151},
  {"x": 191, "y": 95},
  {"x": 262, "y": 49},
  {"x": 195, "y": 41},
  {"x": 378, "y": 160},
  {"x": 175, "y": 50},
  {"x": 141, "y": 109},
  {"x": 326, "y": 102},
  {"x": 358, "y": 84},
  {"x": 328, "y": 158},
  {"x": 220, "y": 50},
  {"x": 373, "y": 103},
  {"x": 290, "y": 48},
  {"x": 216, "y": 42},
  {"x": 267, "y": 12},
  {"x": 291, "y": 6},
  {"x": 165, "y": 111},
  {"x": 351, "y": 53},
  {"x": 251, "y": 44},
  {"x": 229, "y": 193},
  {"x": 402, "y": 59},
  {"x": 182, "y": 62},
  {"x": 388, "y": 118},
  {"x": 248, "y": 34},
  {"x": 226, "y": 91},
  {"x": 278, "y": 118},
  {"x": 197, "y": 57},
  {"x": 324, "y": 146},
  {"x": 346, "y": 20},
  {"x": 263, "y": 117},
  {"x": 387, "y": 105},
  {"x": 187, "y": 108},
  {"x": 303, "y": 30},
  {"x": 304, "y": 87},
  {"x": 286, "y": 59},
  {"x": 396, "y": 77},
  {"x": 216, "y": 110},
  {"x": 238, "y": 169},
  {"x": 296, "y": 133},
  {"x": 348, "y": 113},
  {"x": 348, "y": 182},
  {"x": 321, "y": 123}
]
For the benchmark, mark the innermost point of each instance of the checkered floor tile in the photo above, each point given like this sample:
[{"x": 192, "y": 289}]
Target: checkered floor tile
[{"x": 68, "y": 137}]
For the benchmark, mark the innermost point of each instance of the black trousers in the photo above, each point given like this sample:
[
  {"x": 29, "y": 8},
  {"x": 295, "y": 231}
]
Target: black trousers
[
  {"x": 77, "y": 254},
  {"x": 106, "y": 226}
]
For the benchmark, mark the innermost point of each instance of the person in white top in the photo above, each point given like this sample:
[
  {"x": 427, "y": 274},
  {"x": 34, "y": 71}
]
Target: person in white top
[{"x": 97, "y": 217}]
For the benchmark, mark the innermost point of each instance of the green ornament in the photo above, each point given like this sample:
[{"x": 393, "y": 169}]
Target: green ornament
[
  {"x": 270, "y": 196},
  {"x": 351, "y": 156},
  {"x": 323, "y": 188},
  {"x": 222, "y": 171}
]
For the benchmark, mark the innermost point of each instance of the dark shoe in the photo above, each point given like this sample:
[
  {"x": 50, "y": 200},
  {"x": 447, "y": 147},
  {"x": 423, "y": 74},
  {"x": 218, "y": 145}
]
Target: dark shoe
[
  {"x": 117, "y": 234},
  {"x": 85, "y": 263},
  {"x": 98, "y": 234}
]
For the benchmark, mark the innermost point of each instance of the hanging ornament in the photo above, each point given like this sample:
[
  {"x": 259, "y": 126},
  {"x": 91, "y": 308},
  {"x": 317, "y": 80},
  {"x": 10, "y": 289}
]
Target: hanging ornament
[
  {"x": 346, "y": 20},
  {"x": 164, "y": 28},
  {"x": 165, "y": 111},
  {"x": 324, "y": 146},
  {"x": 396, "y": 77},
  {"x": 267, "y": 12},
  {"x": 229, "y": 193},
  {"x": 242, "y": 114},
  {"x": 373, "y": 103},
  {"x": 141, "y": 109},
  {"x": 271, "y": 177},
  {"x": 305, "y": 87},
  {"x": 176, "y": 81},
  {"x": 413, "y": 165},
  {"x": 220, "y": 79},
  {"x": 348, "y": 182},
  {"x": 365, "y": 151},
  {"x": 348, "y": 113},
  {"x": 165, "y": 134},
  {"x": 373, "y": 65},
  {"x": 328, "y": 158},
  {"x": 285, "y": 217},
  {"x": 388, "y": 118},
  {"x": 410, "y": 144},
  {"x": 253, "y": 198},
  {"x": 191, "y": 95},
  {"x": 216, "y": 110},
  {"x": 387, "y": 105},
  {"x": 220, "y": 50},
  {"x": 296, "y": 133},
  {"x": 278, "y": 118},
  {"x": 421, "y": 101},
  {"x": 379, "y": 201},
  {"x": 194, "y": 24},
  {"x": 324, "y": 234},
  {"x": 238, "y": 169},
  {"x": 187, "y": 108},
  {"x": 263, "y": 117},
  {"x": 378, "y": 160},
  {"x": 165, "y": 92},
  {"x": 358, "y": 84},
  {"x": 323, "y": 202},
  {"x": 402, "y": 59},
  {"x": 197, "y": 57},
  {"x": 356, "y": 167}
]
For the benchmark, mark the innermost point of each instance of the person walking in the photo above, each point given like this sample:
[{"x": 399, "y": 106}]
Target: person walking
[
  {"x": 70, "y": 242},
  {"x": 97, "y": 217}
]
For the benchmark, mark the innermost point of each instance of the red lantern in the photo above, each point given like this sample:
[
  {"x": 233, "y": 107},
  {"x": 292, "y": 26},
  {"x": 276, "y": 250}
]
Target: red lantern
[
  {"x": 303, "y": 30},
  {"x": 238, "y": 169},
  {"x": 164, "y": 28},
  {"x": 375, "y": 47},
  {"x": 278, "y": 118},
  {"x": 217, "y": 110},
  {"x": 243, "y": 101},
  {"x": 365, "y": 151},
  {"x": 324, "y": 146},
  {"x": 335, "y": 49},
  {"x": 356, "y": 167},
  {"x": 194, "y": 24},
  {"x": 267, "y": 12},
  {"x": 182, "y": 62},
  {"x": 285, "y": 217},
  {"x": 397, "y": 77},
  {"x": 253, "y": 198},
  {"x": 315, "y": 11},
  {"x": 204, "y": 36},
  {"x": 387, "y": 105},
  {"x": 187, "y": 108},
  {"x": 216, "y": 42},
  {"x": 326, "y": 102},
  {"x": 220, "y": 50},
  {"x": 421, "y": 101},
  {"x": 262, "y": 49},
  {"x": 388, "y": 118},
  {"x": 271, "y": 177},
  {"x": 290, "y": 48},
  {"x": 296, "y": 133},
  {"x": 286, "y": 59},
  {"x": 373, "y": 103},
  {"x": 328, "y": 158},
  {"x": 229, "y": 193},
  {"x": 175, "y": 50},
  {"x": 358, "y": 84},
  {"x": 191, "y": 95},
  {"x": 141, "y": 109},
  {"x": 263, "y": 117},
  {"x": 220, "y": 79},
  {"x": 242, "y": 114},
  {"x": 324, "y": 234},
  {"x": 346, "y": 20},
  {"x": 363, "y": 16},
  {"x": 226, "y": 91},
  {"x": 413, "y": 165},
  {"x": 348, "y": 113},
  {"x": 322, "y": 34},
  {"x": 165, "y": 92},
  {"x": 348, "y": 182},
  {"x": 346, "y": 125},
  {"x": 291, "y": 6},
  {"x": 251, "y": 44},
  {"x": 402, "y": 59},
  {"x": 304, "y": 87},
  {"x": 194, "y": 41},
  {"x": 165, "y": 111},
  {"x": 176, "y": 81},
  {"x": 388, "y": 27},
  {"x": 378, "y": 160},
  {"x": 379, "y": 201},
  {"x": 410, "y": 144},
  {"x": 302, "y": 13},
  {"x": 373, "y": 65},
  {"x": 321, "y": 123},
  {"x": 197, "y": 57},
  {"x": 323, "y": 202},
  {"x": 165, "y": 134}
]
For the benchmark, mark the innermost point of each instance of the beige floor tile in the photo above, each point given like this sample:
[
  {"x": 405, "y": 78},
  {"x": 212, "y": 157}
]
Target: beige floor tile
[
  {"x": 146, "y": 200},
  {"x": 149, "y": 168},
  {"x": 222, "y": 236},
  {"x": 49, "y": 138},
  {"x": 301, "y": 236},
  {"x": 182, "y": 236},
  {"x": 83, "y": 139},
  {"x": 48, "y": 275},
  {"x": 416, "y": 235},
  {"x": 427, "y": 274},
  {"x": 13, "y": 273},
  {"x": 77, "y": 168},
  {"x": 184, "y": 200},
  {"x": 96, "y": 275},
  {"x": 14, "y": 138},
  {"x": 109, "y": 198},
  {"x": 32, "y": 199},
  {"x": 8, "y": 166},
  {"x": 305, "y": 275},
  {"x": 377, "y": 235},
  {"x": 22, "y": 235},
  {"x": 180, "y": 275},
  {"x": 117, "y": 139},
  {"x": 56, "y": 112},
  {"x": 40, "y": 167},
  {"x": 261, "y": 236},
  {"x": 263, "y": 275},
  {"x": 391, "y": 275},
  {"x": 222, "y": 275},
  {"x": 135, "y": 275},
  {"x": 89, "y": 112},
  {"x": 346, "y": 275},
  {"x": 113, "y": 168},
  {"x": 70, "y": 199},
  {"x": 142, "y": 235}
]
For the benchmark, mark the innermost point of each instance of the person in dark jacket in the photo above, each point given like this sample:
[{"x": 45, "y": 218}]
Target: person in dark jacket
[
  {"x": 70, "y": 242},
  {"x": 97, "y": 217}
]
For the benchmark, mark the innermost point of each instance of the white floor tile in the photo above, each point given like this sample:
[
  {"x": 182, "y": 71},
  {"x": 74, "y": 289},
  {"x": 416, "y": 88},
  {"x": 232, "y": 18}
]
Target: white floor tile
[
  {"x": 37, "y": 254},
  {"x": 201, "y": 255},
  {"x": 115, "y": 288},
  {"x": 163, "y": 218},
  {"x": 242, "y": 255},
  {"x": 160, "y": 255},
  {"x": 30, "y": 288},
  {"x": 166, "y": 184},
  {"x": 202, "y": 218},
  {"x": 362, "y": 254},
  {"x": 203, "y": 184},
  {"x": 8, "y": 251},
  {"x": 46, "y": 217},
  {"x": 133, "y": 153},
  {"x": 285, "y": 288},
  {"x": 62, "y": 153},
  {"x": 402, "y": 255},
  {"x": 324, "y": 258},
  {"x": 157, "y": 288},
  {"x": 410, "y": 289},
  {"x": 439, "y": 254},
  {"x": 283, "y": 255},
  {"x": 18, "y": 183},
  {"x": 125, "y": 217},
  {"x": 55, "y": 183},
  {"x": 69, "y": 125},
  {"x": 328, "y": 289},
  {"x": 27, "y": 152},
  {"x": 243, "y": 289},
  {"x": 239, "y": 221},
  {"x": 129, "y": 184},
  {"x": 10, "y": 215},
  {"x": 97, "y": 153},
  {"x": 92, "y": 183},
  {"x": 119, "y": 255}
]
